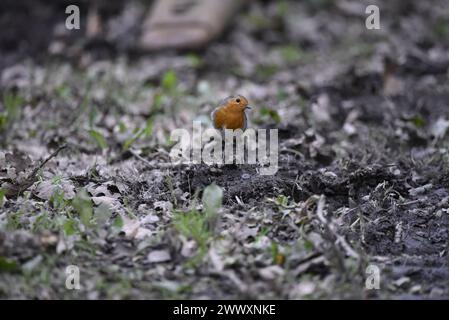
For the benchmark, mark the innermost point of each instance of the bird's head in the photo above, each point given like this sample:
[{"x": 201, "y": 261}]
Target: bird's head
[{"x": 236, "y": 103}]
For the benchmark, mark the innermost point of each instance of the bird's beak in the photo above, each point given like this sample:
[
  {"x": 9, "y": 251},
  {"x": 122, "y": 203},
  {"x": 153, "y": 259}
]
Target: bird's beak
[{"x": 248, "y": 107}]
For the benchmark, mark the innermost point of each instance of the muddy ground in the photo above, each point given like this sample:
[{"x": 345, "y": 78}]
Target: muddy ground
[{"x": 363, "y": 173}]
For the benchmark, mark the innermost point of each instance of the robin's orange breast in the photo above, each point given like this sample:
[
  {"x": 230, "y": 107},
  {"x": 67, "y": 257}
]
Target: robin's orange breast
[{"x": 227, "y": 119}]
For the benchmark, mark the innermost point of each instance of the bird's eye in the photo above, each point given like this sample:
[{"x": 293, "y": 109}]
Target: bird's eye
[{"x": 237, "y": 100}]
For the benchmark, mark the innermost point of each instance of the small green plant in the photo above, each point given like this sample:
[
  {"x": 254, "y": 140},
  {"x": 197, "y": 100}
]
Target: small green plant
[
  {"x": 212, "y": 200},
  {"x": 11, "y": 103},
  {"x": 441, "y": 28},
  {"x": 195, "y": 60},
  {"x": 269, "y": 114},
  {"x": 282, "y": 8},
  {"x": 283, "y": 203},
  {"x": 2, "y": 197},
  {"x": 282, "y": 200},
  {"x": 278, "y": 255},
  {"x": 193, "y": 225},
  {"x": 263, "y": 233},
  {"x": 82, "y": 203},
  {"x": 145, "y": 131},
  {"x": 282, "y": 95},
  {"x": 102, "y": 215},
  {"x": 169, "y": 81},
  {"x": 266, "y": 71},
  {"x": 117, "y": 223},
  {"x": 70, "y": 227},
  {"x": 291, "y": 54},
  {"x": 418, "y": 121},
  {"x": 13, "y": 221},
  {"x": 197, "y": 225},
  {"x": 63, "y": 91},
  {"x": 98, "y": 138},
  {"x": 7, "y": 265},
  {"x": 57, "y": 199},
  {"x": 43, "y": 222}
]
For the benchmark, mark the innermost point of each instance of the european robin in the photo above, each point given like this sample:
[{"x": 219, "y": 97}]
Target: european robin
[{"x": 230, "y": 113}]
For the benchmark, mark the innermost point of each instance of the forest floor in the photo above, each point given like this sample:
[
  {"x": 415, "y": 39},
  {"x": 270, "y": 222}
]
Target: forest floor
[{"x": 363, "y": 173}]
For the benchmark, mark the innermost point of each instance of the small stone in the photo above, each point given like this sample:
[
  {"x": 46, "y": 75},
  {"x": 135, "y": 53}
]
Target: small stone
[
  {"x": 401, "y": 281},
  {"x": 415, "y": 289},
  {"x": 157, "y": 256},
  {"x": 246, "y": 176}
]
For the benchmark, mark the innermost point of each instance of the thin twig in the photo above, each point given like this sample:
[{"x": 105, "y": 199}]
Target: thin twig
[
  {"x": 17, "y": 188},
  {"x": 43, "y": 163},
  {"x": 153, "y": 165},
  {"x": 331, "y": 228}
]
